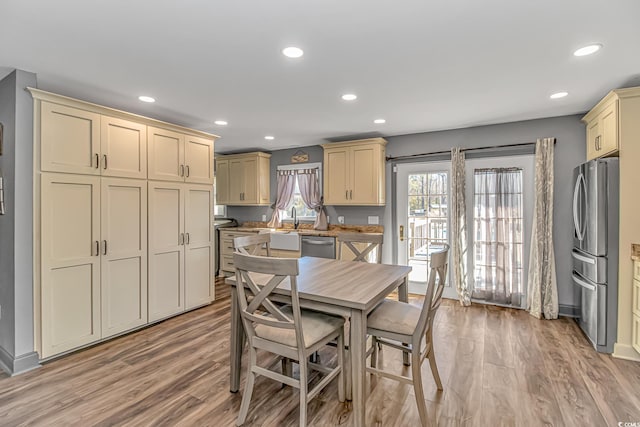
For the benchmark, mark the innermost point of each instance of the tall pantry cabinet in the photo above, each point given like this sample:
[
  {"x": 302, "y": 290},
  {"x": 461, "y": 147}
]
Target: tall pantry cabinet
[{"x": 99, "y": 219}]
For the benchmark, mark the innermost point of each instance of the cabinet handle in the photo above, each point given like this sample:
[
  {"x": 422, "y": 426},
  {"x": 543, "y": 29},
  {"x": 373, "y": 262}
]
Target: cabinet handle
[
  {"x": 104, "y": 157},
  {"x": 181, "y": 170},
  {"x": 350, "y": 194},
  {"x": 97, "y": 161},
  {"x": 97, "y": 248},
  {"x": 187, "y": 167},
  {"x": 346, "y": 194},
  {"x": 402, "y": 233},
  {"x": 187, "y": 238},
  {"x": 104, "y": 252},
  {"x": 181, "y": 239}
]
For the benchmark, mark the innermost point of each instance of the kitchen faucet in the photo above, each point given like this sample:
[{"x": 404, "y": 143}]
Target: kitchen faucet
[{"x": 295, "y": 218}]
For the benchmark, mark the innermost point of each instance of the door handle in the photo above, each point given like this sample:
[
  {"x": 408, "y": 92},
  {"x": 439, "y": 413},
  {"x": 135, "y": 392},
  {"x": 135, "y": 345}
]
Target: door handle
[
  {"x": 97, "y": 161},
  {"x": 583, "y": 258},
  {"x": 186, "y": 238},
  {"x": 576, "y": 221},
  {"x": 104, "y": 158},
  {"x": 583, "y": 283},
  {"x": 104, "y": 252},
  {"x": 187, "y": 168},
  {"x": 97, "y": 248},
  {"x": 402, "y": 233}
]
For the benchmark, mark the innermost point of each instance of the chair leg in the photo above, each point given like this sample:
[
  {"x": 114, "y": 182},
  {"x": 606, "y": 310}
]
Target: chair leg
[
  {"x": 248, "y": 388},
  {"x": 434, "y": 369},
  {"x": 303, "y": 391},
  {"x": 417, "y": 386},
  {"x": 341, "y": 376},
  {"x": 287, "y": 368}
]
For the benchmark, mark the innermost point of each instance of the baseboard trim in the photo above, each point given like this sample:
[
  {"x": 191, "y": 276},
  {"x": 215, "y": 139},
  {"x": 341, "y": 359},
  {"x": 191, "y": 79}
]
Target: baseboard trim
[
  {"x": 14, "y": 366},
  {"x": 626, "y": 352},
  {"x": 569, "y": 310}
]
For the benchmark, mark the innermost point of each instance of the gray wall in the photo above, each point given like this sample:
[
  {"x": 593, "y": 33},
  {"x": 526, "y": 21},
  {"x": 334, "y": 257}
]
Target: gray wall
[
  {"x": 569, "y": 152},
  {"x": 16, "y": 226}
]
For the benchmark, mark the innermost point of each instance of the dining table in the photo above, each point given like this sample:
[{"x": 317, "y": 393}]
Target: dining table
[{"x": 350, "y": 289}]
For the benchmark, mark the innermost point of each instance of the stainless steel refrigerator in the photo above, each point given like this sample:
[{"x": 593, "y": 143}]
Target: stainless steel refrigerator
[{"x": 595, "y": 249}]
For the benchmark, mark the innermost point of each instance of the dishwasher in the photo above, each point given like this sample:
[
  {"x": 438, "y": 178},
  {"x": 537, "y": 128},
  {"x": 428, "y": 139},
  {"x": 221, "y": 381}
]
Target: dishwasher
[{"x": 318, "y": 246}]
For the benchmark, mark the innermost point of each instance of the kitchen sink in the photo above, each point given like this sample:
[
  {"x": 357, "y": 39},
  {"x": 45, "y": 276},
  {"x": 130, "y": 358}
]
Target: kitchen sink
[{"x": 285, "y": 240}]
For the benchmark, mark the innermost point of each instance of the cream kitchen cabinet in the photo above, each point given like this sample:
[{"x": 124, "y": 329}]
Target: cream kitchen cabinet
[
  {"x": 93, "y": 259},
  {"x": 243, "y": 179},
  {"x": 354, "y": 172},
  {"x": 180, "y": 247},
  {"x": 635, "y": 307},
  {"x": 175, "y": 156},
  {"x": 80, "y": 141},
  {"x": 602, "y": 128}
]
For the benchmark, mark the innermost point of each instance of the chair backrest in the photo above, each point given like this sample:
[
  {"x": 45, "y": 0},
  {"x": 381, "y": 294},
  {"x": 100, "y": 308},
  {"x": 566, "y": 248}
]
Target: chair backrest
[
  {"x": 254, "y": 292},
  {"x": 361, "y": 245},
  {"x": 253, "y": 245},
  {"x": 439, "y": 262}
]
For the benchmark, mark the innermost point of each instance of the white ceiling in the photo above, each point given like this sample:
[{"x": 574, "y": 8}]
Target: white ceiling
[{"x": 422, "y": 65}]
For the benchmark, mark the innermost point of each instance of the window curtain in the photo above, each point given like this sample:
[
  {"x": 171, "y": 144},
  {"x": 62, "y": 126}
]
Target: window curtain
[
  {"x": 286, "y": 181},
  {"x": 459, "y": 228},
  {"x": 310, "y": 193},
  {"x": 542, "y": 295},
  {"x": 498, "y": 231}
]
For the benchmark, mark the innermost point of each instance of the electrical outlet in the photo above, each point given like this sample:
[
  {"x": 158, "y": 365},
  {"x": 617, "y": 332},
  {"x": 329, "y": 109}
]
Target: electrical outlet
[
  {"x": 373, "y": 220},
  {"x": 264, "y": 217},
  {"x": 341, "y": 219}
]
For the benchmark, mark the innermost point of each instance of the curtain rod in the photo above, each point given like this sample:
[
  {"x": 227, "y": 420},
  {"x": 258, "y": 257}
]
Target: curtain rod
[{"x": 434, "y": 153}]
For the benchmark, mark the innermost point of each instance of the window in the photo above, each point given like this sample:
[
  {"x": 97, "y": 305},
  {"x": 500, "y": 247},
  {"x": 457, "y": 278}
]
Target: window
[{"x": 302, "y": 211}]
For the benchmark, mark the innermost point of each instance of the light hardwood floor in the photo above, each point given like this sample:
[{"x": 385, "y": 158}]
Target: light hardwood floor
[{"x": 498, "y": 367}]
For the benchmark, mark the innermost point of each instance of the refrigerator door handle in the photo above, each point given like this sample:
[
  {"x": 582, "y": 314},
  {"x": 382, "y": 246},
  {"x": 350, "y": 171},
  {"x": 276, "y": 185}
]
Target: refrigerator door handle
[
  {"x": 583, "y": 258},
  {"x": 576, "y": 220},
  {"x": 583, "y": 283}
]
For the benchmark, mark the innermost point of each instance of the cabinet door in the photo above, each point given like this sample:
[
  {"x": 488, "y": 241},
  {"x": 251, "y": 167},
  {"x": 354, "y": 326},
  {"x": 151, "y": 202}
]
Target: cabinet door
[
  {"x": 198, "y": 157},
  {"x": 236, "y": 181},
  {"x": 166, "y": 155},
  {"x": 69, "y": 139},
  {"x": 364, "y": 167},
  {"x": 609, "y": 125},
  {"x": 124, "y": 148},
  {"x": 336, "y": 177},
  {"x": 70, "y": 262},
  {"x": 166, "y": 249},
  {"x": 222, "y": 182},
  {"x": 593, "y": 132},
  {"x": 124, "y": 254},
  {"x": 250, "y": 192},
  {"x": 198, "y": 245}
]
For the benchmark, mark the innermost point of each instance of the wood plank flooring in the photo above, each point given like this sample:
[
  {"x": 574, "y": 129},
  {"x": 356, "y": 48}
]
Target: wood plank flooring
[{"x": 498, "y": 366}]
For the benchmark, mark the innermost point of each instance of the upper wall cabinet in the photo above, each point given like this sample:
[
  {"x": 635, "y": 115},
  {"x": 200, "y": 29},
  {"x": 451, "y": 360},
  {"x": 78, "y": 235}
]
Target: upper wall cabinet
[
  {"x": 602, "y": 128},
  {"x": 354, "y": 172},
  {"x": 175, "y": 156},
  {"x": 74, "y": 140},
  {"x": 243, "y": 179}
]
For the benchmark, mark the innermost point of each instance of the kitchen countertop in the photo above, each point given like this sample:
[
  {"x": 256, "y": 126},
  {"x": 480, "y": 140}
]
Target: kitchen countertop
[
  {"x": 307, "y": 229},
  {"x": 635, "y": 252}
]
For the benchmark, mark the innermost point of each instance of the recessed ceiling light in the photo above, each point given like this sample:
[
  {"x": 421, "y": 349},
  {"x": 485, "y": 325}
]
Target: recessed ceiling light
[
  {"x": 379, "y": 121},
  {"x": 269, "y": 137},
  {"x": 292, "y": 52},
  {"x": 220, "y": 122},
  {"x": 558, "y": 95},
  {"x": 588, "y": 50},
  {"x": 144, "y": 98},
  {"x": 349, "y": 97}
]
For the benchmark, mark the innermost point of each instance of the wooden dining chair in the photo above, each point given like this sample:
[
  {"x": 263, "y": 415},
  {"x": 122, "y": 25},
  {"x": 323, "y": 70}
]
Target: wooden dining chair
[
  {"x": 253, "y": 245},
  {"x": 360, "y": 247},
  {"x": 289, "y": 332},
  {"x": 393, "y": 323}
]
